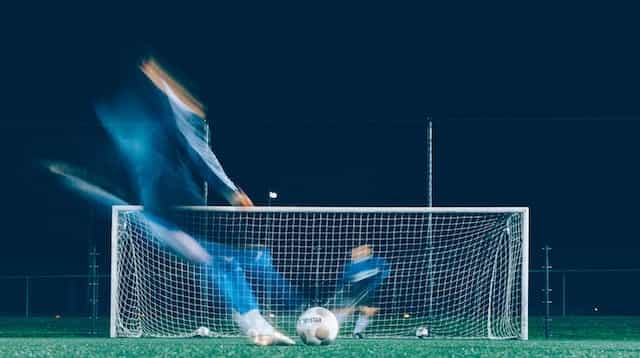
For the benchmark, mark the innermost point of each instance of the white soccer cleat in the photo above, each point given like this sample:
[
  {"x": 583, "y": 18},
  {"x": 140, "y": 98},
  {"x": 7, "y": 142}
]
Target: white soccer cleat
[
  {"x": 274, "y": 339},
  {"x": 259, "y": 330}
]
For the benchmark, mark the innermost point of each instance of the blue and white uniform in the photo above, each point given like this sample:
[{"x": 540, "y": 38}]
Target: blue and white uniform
[
  {"x": 165, "y": 149},
  {"x": 362, "y": 277}
]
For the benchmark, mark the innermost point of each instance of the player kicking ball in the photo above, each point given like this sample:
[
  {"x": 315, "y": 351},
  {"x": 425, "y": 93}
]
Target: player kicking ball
[
  {"x": 158, "y": 128},
  {"x": 362, "y": 277},
  {"x": 181, "y": 130}
]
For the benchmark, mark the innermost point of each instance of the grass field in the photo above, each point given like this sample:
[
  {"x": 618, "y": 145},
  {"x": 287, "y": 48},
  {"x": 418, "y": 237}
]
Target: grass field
[{"x": 572, "y": 337}]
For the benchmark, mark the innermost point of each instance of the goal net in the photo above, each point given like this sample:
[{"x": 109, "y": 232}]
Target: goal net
[{"x": 460, "y": 272}]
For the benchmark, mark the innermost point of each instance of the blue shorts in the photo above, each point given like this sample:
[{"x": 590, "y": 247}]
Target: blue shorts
[{"x": 362, "y": 293}]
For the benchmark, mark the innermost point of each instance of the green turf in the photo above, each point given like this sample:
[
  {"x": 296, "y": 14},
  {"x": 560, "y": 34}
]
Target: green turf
[
  {"x": 96, "y": 347},
  {"x": 573, "y": 337}
]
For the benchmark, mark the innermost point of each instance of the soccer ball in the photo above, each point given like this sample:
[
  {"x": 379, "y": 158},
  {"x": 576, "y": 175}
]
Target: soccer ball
[
  {"x": 317, "y": 326},
  {"x": 422, "y": 332},
  {"x": 203, "y": 332}
]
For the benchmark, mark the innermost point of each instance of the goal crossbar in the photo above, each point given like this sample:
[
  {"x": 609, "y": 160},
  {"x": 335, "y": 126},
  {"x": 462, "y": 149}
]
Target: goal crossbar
[{"x": 343, "y": 209}]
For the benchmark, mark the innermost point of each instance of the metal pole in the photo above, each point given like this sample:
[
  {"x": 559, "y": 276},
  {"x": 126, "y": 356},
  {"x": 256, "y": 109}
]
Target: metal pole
[
  {"x": 547, "y": 292},
  {"x": 92, "y": 281},
  {"x": 93, "y": 274},
  {"x": 430, "y": 217},
  {"x": 205, "y": 199},
  {"x": 93, "y": 286},
  {"x": 26, "y": 295},
  {"x": 207, "y": 136},
  {"x": 430, "y": 164},
  {"x": 564, "y": 294}
]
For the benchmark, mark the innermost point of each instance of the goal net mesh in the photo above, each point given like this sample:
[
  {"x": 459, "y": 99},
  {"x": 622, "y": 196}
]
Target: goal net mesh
[{"x": 459, "y": 274}]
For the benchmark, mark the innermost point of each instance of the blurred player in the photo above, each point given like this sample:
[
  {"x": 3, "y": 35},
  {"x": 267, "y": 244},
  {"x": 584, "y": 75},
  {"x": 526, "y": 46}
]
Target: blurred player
[
  {"x": 362, "y": 277},
  {"x": 159, "y": 129}
]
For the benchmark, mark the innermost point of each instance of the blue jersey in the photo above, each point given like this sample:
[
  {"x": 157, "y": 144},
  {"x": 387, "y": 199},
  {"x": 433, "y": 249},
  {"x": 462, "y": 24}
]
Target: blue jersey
[
  {"x": 364, "y": 276},
  {"x": 365, "y": 270}
]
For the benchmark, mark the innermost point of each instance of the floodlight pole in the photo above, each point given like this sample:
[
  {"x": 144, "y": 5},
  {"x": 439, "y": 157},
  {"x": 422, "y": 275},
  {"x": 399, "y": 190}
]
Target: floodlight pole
[
  {"x": 430, "y": 162},
  {"x": 205, "y": 197},
  {"x": 207, "y": 138},
  {"x": 430, "y": 217}
]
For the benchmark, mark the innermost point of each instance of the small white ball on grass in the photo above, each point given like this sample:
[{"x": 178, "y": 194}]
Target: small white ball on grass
[
  {"x": 422, "y": 332},
  {"x": 203, "y": 332}
]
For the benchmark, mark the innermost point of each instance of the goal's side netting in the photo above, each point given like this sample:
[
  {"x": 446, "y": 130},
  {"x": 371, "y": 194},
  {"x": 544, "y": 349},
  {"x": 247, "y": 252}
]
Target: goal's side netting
[{"x": 459, "y": 272}]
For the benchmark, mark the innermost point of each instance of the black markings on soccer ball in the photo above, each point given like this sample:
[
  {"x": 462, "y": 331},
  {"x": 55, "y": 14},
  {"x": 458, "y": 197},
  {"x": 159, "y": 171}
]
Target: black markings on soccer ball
[{"x": 311, "y": 320}]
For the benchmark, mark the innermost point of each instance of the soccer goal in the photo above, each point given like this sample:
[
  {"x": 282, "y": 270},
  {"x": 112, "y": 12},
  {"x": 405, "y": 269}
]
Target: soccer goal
[{"x": 460, "y": 272}]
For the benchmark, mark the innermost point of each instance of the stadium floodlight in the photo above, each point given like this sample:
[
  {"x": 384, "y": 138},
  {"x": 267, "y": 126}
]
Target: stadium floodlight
[{"x": 456, "y": 272}]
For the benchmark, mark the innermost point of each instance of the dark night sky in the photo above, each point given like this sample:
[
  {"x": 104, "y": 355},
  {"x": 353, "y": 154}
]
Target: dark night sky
[{"x": 536, "y": 107}]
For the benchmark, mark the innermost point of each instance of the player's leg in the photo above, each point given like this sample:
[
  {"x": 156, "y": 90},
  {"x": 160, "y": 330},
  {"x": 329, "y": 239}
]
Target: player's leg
[
  {"x": 180, "y": 242},
  {"x": 228, "y": 275},
  {"x": 363, "y": 320},
  {"x": 270, "y": 282},
  {"x": 343, "y": 313},
  {"x": 363, "y": 297},
  {"x": 352, "y": 295}
]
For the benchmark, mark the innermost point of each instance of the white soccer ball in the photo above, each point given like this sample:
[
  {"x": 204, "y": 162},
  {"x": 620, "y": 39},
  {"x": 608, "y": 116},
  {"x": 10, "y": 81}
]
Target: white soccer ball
[
  {"x": 317, "y": 326},
  {"x": 203, "y": 332},
  {"x": 422, "y": 332}
]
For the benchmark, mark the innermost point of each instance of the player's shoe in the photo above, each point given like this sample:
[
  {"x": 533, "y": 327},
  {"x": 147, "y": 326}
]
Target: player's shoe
[
  {"x": 259, "y": 331},
  {"x": 358, "y": 336},
  {"x": 274, "y": 339}
]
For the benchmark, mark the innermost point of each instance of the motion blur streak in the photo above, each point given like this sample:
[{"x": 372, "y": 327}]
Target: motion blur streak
[{"x": 179, "y": 241}]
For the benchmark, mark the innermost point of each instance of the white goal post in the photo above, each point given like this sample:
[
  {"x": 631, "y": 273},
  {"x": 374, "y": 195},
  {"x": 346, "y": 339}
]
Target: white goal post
[{"x": 461, "y": 272}]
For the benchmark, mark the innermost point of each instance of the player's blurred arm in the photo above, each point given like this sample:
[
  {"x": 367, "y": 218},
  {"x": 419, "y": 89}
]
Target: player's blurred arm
[
  {"x": 179, "y": 241},
  {"x": 73, "y": 180},
  {"x": 189, "y": 116},
  {"x": 161, "y": 79}
]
